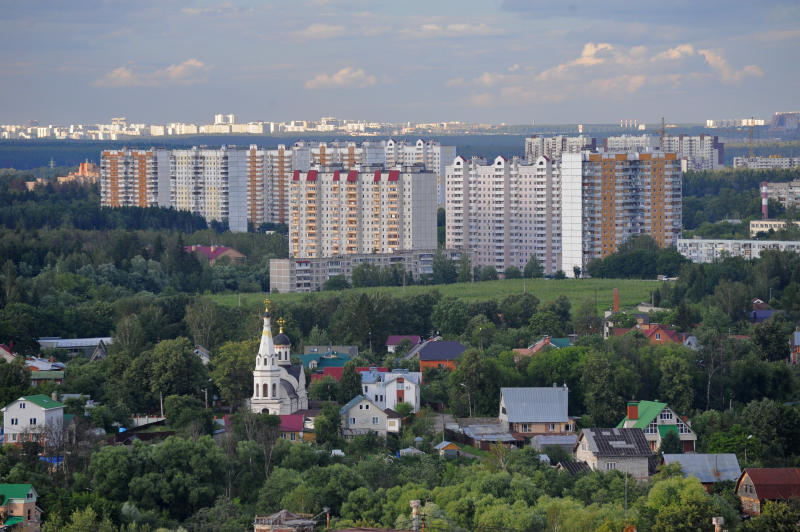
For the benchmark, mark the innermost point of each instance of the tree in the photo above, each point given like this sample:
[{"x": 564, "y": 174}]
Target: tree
[
  {"x": 231, "y": 369},
  {"x": 546, "y": 323},
  {"x": 608, "y": 384},
  {"x": 14, "y": 380},
  {"x": 444, "y": 271},
  {"x": 324, "y": 389},
  {"x": 587, "y": 320},
  {"x": 576, "y": 271},
  {"x": 559, "y": 275},
  {"x": 474, "y": 385},
  {"x": 676, "y": 383},
  {"x": 670, "y": 443},
  {"x": 201, "y": 318},
  {"x": 327, "y": 424},
  {"x": 336, "y": 282},
  {"x": 772, "y": 338},
  {"x": 488, "y": 273},
  {"x": 776, "y": 516},
  {"x": 176, "y": 370},
  {"x": 183, "y": 411},
  {"x": 560, "y": 307},
  {"x": 350, "y": 383},
  {"x": 464, "y": 268},
  {"x": 533, "y": 269},
  {"x": 512, "y": 272},
  {"x": 731, "y": 298}
]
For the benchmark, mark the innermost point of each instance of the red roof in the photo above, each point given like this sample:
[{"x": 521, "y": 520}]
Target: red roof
[
  {"x": 292, "y": 423},
  {"x": 352, "y": 175},
  {"x": 377, "y": 175},
  {"x": 774, "y": 483},
  {"x": 336, "y": 175},
  {"x": 209, "y": 252},
  {"x": 394, "y": 175},
  {"x": 336, "y": 373},
  {"x": 311, "y": 176},
  {"x": 296, "y": 176},
  {"x": 395, "y": 339}
]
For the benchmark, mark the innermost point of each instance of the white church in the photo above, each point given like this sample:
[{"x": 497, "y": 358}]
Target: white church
[{"x": 279, "y": 385}]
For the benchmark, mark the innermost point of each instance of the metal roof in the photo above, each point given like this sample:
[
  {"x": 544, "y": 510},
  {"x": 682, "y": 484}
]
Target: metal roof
[
  {"x": 707, "y": 467},
  {"x": 617, "y": 442},
  {"x": 441, "y": 350},
  {"x": 70, "y": 343},
  {"x": 536, "y": 405}
]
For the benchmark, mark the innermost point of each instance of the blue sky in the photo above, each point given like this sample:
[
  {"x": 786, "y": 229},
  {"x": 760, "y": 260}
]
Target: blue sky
[{"x": 510, "y": 61}]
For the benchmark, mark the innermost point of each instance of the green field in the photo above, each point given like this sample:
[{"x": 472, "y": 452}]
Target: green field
[{"x": 631, "y": 292}]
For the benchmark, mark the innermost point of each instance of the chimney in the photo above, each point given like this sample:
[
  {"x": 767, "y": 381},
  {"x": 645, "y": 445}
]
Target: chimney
[
  {"x": 633, "y": 410},
  {"x": 212, "y": 249},
  {"x": 616, "y": 299},
  {"x": 52, "y": 359},
  {"x": 54, "y": 396}
]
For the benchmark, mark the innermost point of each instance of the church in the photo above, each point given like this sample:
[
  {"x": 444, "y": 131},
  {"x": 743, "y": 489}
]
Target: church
[{"x": 279, "y": 387}]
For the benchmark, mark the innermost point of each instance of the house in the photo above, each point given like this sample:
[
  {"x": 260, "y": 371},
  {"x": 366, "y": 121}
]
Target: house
[
  {"x": 283, "y": 521},
  {"x": 350, "y": 350},
  {"x": 542, "y": 441},
  {"x": 656, "y": 419},
  {"x": 7, "y": 354},
  {"x": 760, "y": 316},
  {"x": 40, "y": 377},
  {"x": 336, "y": 372},
  {"x": 623, "y": 449},
  {"x": 203, "y": 354},
  {"x": 44, "y": 364},
  {"x": 214, "y": 253},
  {"x": 298, "y": 427},
  {"x": 410, "y": 451},
  {"x": 794, "y": 348},
  {"x": 100, "y": 352},
  {"x": 389, "y": 388},
  {"x": 573, "y": 468},
  {"x": 707, "y": 468},
  {"x": 33, "y": 417},
  {"x": 656, "y": 333},
  {"x": 545, "y": 342},
  {"x": 360, "y": 416},
  {"x": 530, "y": 411},
  {"x": 396, "y": 339},
  {"x": 18, "y": 510},
  {"x": 328, "y": 359},
  {"x": 757, "y": 485},
  {"x": 447, "y": 449},
  {"x": 440, "y": 354},
  {"x": 759, "y": 304},
  {"x": 75, "y": 346},
  {"x": 485, "y": 434}
]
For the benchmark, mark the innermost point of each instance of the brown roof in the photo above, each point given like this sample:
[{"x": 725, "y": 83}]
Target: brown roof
[{"x": 774, "y": 483}]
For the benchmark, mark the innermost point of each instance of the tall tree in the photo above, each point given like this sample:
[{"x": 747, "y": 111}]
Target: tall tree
[
  {"x": 176, "y": 370},
  {"x": 232, "y": 370},
  {"x": 350, "y": 383},
  {"x": 444, "y": 271},
  {"x": 533, "y": 269},
  {"x": 201, "y": 318}
]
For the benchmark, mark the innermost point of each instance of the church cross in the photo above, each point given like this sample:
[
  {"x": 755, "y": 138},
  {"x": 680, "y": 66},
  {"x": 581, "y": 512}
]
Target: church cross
[
  {"x": 266, "y": 304},
  {"x": 281, "y": 323}
]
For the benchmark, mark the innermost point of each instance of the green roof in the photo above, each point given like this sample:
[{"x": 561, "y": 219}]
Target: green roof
[
  {"x": 13, "y": 491},
  {"x": 43, "y": 400},
  {"x": 49, "y": 374},
  {"x": 11, "y": 521},
  {"x": 560, "y": 342},
  {"x": 325, "y": 360},
  {"x": 663, "y": 429},
  {"x": 648, "y": 410}
]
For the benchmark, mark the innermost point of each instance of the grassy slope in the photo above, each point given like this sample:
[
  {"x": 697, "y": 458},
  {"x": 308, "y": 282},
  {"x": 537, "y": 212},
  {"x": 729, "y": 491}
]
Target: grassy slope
[{"x": 631, "y": 292}]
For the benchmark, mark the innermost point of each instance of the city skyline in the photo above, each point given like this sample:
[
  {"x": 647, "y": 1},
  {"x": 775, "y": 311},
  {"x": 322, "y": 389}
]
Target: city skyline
[{"x": 494, "y": 62}]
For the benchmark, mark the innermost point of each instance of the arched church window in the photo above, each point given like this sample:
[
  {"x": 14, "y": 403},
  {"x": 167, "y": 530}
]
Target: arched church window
[
  {"x": 274, "y": 390},
  {"x": 265, "y": 393},
  {"x": 256, "y": 392}
]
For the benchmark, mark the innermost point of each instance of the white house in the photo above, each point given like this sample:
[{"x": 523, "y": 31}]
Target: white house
[
  {"x": 361, "y": 416},
  {"x": 32, "y": 417},
  {"x": 388, "y": 388}
]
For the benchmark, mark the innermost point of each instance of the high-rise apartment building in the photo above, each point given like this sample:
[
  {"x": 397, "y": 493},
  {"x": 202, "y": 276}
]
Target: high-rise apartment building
[
  {"x": 553, "y": 147},
  {"x": 608, "y": 197},
  {"x": 134, "y": 178},
  {"x": 368, "y": 210},
  {"x": 766, "y": 163},
  {"x": 698, "y": 152},
  {"x": 504, "y": 212}
]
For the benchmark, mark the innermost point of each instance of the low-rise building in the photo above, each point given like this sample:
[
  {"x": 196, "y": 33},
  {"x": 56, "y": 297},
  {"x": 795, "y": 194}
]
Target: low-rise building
[
  {"x": 711, "y": 250},
  {"x": 18, "y": 510},
  {"x": 361, "y": 416},
  {"x": 440, "y": 354},
  {"x": 447, "y": 449},
  {"x": 34, "y": 418},
  {"x": 544, "y": 343},
  {"x": 707, "y": 468},
  {"x": 764, "y": 226},
  {"x": 531, "y": 411},
  {"x": 794, "y": 348},
  {"x": 757, "y": 485},
  {"x": 396, "y": 339},
  {"x": 298, "y": 427},
  {"x": 656, "y": 420},
  {"x": 390, "y": 388},
  {"x": 283, "y": 521},
  {"x": 216, "y": 253},
  {"x": 625, "y": 450}
]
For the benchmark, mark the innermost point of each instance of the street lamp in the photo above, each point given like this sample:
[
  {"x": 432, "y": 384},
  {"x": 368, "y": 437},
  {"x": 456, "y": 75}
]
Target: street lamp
[
  {"x": 469, "y": 398},
  {"x": 749, "y": 437}
]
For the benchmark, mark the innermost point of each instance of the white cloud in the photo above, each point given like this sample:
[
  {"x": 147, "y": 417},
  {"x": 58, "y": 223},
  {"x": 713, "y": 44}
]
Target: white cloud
[
  {"x": 455, "y": 82},
  {"x": 320, "y": 31},
  {"x": 589, "y": 57},
  {"x": 720, "y": 65},
  {"x": 513, "y": 68},
  {"x": 345, "y": 78},
  {"x": 452, "y": 30},
  {"x": 225, "y": 8},
  {"x": 682, "y": 50},
  {"x": 189, "y": 72}
]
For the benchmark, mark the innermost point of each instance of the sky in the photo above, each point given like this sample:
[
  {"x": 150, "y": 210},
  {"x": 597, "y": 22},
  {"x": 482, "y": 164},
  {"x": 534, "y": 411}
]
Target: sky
[{"x": 493, "y": 61}]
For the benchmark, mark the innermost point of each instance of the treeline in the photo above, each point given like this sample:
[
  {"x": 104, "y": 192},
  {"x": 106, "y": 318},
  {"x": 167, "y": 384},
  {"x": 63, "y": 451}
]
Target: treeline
[{"x": 638, "y": 258}]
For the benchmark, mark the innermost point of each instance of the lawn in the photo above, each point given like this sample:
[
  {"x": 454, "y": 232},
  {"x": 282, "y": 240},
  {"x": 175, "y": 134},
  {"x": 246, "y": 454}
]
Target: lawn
[{"x": 631, "y": 292}]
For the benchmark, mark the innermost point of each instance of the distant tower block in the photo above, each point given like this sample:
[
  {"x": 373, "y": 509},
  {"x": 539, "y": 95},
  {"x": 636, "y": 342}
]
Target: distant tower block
[{"x": 764, "y": 201}]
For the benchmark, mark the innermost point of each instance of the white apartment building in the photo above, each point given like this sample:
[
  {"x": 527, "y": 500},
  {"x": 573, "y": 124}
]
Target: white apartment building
[
  {"x": 701, "y": 152},
  {"x": 710, "y": 250},
  {"x": 430, "y": 154},
  {"x": 389, "y": 388},
  {"x": 370, "y": 210},
  {"x": 766, "y": 163},
  {"x": 763, "y": 226},
  {"x": 553, "y": 147},
  {"x": 608, "y": 197},
  {"x": 134, "y": 178},
  {"x": 504, "y": 212}
]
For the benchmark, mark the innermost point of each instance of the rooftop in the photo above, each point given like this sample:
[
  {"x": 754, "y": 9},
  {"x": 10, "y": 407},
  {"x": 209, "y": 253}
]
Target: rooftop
[
  {"x": 535, "y": 405},
  {"x": 617, "y": 442},
  {"x": 441, "y": 350},
  {"x": 706, "y": 468}
]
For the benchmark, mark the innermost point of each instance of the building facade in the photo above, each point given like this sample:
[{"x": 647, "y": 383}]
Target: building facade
[
  {"x": 372, "y": 210},
  {"x": 33, "y": 418},
  {"x": 710, "y": 250},
  {"x": 696, "y": 152},
  {"x": 18, "y": 509},
  {"x": 552, "y": 147},
  {"x": 389, "y": 388},
  {"x": 609, "y": 197},
  {"x": 361, "y": 416},
  {"x": 134, "y": 178},
  {"x": 766, "y": 163},
  {"x": 505, "y": 212}
]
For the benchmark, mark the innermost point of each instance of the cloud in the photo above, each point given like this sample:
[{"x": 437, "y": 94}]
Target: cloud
[
  {"x": 320, "y": 31},
  {"x": 589, "y": 57},
  {"x": 348, "y": 77},
  {"x": 425, "y": 31},
  {"x": 225, "y": 8},
  {"x": 720, "y": 65},
  {"x": 682, "y": 50},
  {"x": 455, "y": 82},
  {"x": 189, "y": 72}
]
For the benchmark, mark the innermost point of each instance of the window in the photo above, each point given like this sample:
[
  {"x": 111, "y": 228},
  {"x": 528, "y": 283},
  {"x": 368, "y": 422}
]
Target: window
[
  {"x": 361, "y": 407},
  {"x": 366, "y": 407},
  {"x": 611, "y": 465},
  {"x": 366, "y": 389},
  {"x": 292, "y": 436},
  {"x": 352, "y": 421},
  {"x": 583, "y": 446},
  {"x": 14, "y": 421},
  {"x": 22, "y": 405},
  {"x": 374, "y": 421},
  {"x": 274, "y": 390},
  {"x": 551, "y": 426},
  {"x": 32, "y": 421},
  {"x": 525, "y": 427},
  {"x": 665, "y": 415}
]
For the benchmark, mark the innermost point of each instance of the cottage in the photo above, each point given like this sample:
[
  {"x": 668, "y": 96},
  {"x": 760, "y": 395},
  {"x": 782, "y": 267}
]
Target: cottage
[
  {"x": 447, "y": 449},
  {"x": 327, "y": 359},
  {"x": 757, "y": 485},
  {"x": 440, "y": 354},
  {"x": 707, "y": 468},
  {"x": 7, "y": 354},
  {"x": 566, "y": 443},
  {"x": 656, "y": 420},
  {"x": 283, "y": 521},
  {"x": 33, "y": 417},
  {"x": 396, "y": 339},
  {"x": 361, "y": 415},
  {"x": 18, "y": 510},
  {"x": 623, "y": 449},
  {"x": 530, "y": 411},
  {"x": 390, "y": 388},
  {"x": 215, "y": 253},
  {"x": 545, "y": 342},
  {"x": 77, "y": 346}
]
